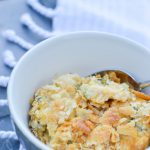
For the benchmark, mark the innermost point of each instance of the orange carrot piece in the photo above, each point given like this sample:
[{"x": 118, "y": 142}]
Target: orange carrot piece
[
  {"x": 80, "y": 125},
  {"x": 141, "y": 95}
]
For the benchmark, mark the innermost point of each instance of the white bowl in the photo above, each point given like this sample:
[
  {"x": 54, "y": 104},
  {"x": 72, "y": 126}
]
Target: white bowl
[{"x": 82, "y": 53}]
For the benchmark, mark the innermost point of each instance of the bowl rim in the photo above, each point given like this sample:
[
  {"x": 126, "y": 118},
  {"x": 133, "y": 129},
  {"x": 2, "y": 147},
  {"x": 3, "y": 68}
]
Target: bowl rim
[{"x": 14, "y": 116}]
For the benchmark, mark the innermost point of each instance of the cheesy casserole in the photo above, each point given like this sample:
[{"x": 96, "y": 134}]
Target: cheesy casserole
[{"x": 90, "y": 113}]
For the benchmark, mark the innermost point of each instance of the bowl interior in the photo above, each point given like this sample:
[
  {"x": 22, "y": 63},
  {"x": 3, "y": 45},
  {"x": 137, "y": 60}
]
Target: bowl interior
[{"x": 82, "y": 53}]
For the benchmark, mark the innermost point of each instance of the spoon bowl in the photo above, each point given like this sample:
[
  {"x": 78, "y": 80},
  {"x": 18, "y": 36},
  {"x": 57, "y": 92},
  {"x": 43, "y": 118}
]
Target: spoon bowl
[{"x": 125, "y": 77}]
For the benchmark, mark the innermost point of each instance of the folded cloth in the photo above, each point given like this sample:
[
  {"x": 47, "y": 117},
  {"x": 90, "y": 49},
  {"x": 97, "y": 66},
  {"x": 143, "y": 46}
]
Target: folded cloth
[
  {"x": 4, "y": 110},
  {"x": 125, "y": 17},
  {"x": 9, "y": 141}
]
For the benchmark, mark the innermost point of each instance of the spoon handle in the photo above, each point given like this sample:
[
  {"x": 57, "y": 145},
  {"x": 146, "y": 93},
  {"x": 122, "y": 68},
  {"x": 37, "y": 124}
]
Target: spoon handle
[{"x": 144, "y": 85}]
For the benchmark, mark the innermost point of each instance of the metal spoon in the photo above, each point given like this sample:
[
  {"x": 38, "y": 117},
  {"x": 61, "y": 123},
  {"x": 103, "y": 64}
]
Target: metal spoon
[{"x": 124, "y": 77}]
